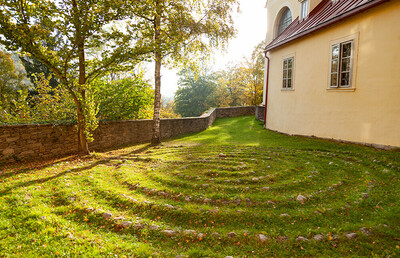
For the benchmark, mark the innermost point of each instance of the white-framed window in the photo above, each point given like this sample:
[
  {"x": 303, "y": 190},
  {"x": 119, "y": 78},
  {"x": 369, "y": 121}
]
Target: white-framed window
[
  {"x": 287, "y": 69},
  {"x": 341, "y": 64},
  {"x": 304, "y": 9}
]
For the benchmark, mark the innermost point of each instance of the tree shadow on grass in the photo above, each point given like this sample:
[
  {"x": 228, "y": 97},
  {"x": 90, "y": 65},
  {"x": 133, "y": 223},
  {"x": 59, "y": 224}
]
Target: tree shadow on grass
[{"x": 27, "y": 169}]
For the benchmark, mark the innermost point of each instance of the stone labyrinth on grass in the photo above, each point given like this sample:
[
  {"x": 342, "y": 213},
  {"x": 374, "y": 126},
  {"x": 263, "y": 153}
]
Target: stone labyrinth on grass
[
  {"x": 241, "y": 195},
  {"x": 203, "y": 200}
]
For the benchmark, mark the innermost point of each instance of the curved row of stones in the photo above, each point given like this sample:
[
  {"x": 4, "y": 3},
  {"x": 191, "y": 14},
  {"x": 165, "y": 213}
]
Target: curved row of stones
[
  {"x": 300, "y": 198},
  {"x": 124, "y": 224}
]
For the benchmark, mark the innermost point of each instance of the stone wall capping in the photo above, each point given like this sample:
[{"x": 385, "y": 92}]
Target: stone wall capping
[{"x": 39, "y": 141}]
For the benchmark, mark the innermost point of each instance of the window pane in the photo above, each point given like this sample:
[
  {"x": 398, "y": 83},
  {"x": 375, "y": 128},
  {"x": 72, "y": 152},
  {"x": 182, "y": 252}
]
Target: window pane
[
  {"x": 285, "y": 64},
  {"x": 346, "y": 64},
  {"x": 334, "y": 80},
  {"x": 335, "y": 51},
  {"x": 290, "y": 74},
  {"x": 345, "y": 79},
  {"x": 346, "y": 49},
  {"x": 290, "y": 63},
  {"x": 284, "y": 84},
  {"x": 285, "y": 20},
  {"x": 334, "y": 66},
  {"x": 285, "y": 74},
  {"x": 289, "y": 84}
]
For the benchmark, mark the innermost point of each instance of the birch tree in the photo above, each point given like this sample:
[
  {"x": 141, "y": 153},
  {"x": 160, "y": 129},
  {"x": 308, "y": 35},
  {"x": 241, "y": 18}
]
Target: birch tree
[{"x": 180, "y": 32}]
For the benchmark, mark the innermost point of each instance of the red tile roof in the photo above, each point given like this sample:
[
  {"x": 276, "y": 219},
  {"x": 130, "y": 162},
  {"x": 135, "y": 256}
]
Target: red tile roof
[{"x": 326, "y": 13}]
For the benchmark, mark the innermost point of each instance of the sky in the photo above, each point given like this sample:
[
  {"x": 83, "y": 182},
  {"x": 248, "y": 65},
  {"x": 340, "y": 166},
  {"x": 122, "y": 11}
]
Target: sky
[{"x": 251, "y": 25}]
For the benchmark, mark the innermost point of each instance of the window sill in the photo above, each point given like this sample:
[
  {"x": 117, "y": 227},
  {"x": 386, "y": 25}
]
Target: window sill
[
  {"x": 287, "y": 89},
  {"x": 341, "y": 89}
]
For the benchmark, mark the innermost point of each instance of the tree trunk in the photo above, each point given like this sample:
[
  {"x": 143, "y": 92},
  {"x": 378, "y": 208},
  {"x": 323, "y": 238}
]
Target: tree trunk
[
  {"x": 157, "y": 89},
  {"x": 83, "y": 143}
]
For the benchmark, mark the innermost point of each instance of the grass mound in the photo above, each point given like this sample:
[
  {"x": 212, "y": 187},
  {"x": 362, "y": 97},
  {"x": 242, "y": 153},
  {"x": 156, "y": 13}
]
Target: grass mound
[{"x": 234, "y": 189}]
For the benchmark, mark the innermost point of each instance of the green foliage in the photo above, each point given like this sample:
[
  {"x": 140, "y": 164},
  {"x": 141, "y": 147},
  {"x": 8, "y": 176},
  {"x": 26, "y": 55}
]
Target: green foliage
[
  {"x": 195, "y": 94},
  {"x": 187, "y": 31},
  {"x": 33, "y": 67},
  {"x": 51, "y": 104},
  {"x": 242, "y": 84},
  {"x": 239, "y": 85},
  {"x": 13, "y": 91},
  {"x": 77, "y": 40},
  {"x": 168, "y": 109},
  {"x": 124, "y": 99}
]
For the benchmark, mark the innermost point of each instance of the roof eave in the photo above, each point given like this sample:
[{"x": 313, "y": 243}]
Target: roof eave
[{"x": 326, "y": 24}]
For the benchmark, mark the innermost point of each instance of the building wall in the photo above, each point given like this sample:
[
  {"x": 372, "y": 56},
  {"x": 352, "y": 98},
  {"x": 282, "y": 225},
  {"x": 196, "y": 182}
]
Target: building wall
[
  {"x": 46, "y": 141},
  {"x": 274, "y": 7},
  {"x": 370, "y": 113}
]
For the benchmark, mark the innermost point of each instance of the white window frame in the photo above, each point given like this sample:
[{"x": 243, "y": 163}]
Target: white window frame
[
  {"x": 304, "y": 9},
  {"x": 351, "y": 86},
  {"x": 285, "y": 73}
]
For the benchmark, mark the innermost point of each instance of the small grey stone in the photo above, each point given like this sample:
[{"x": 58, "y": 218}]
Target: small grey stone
[
  {"x": 154, "y": 227},
  {"x": 106, "y": 215},
  {"x": 187, "y": 198},
  {"x": 207, "y": 200},
  {"x": 72, "y": 198},
  {"x": 215, "y": 234},
  {"x": 262, "y": 238},
  {"x": 138, "y": 226},
  {"x": 169, "y": 206},
  {"x": 126, "y": 224},
  {"x": 43, "y": 218},
  {"x": 301, "y": 198},
  {"x": 222, "y": 155},
  {"x": 284, "y": 215},
  {"x": 255, "y": 179},
  {"x": 301, "y": 239},
  {"x": 189, "y": 232},
  {"x": 69, "y": 235},
  {"x": 162, "y": 193},
  {"x": 319, "y": 237},
  {"x": 200, "y": 235},
  {"x": 365, "y": 195},
  {"x": 231, "y": 234},
  {"x": 366, "y": 231},
  {"x": 89, "y": 210},
  {"x": 169, "y": 233},
  {"x": 351, "y": 235},
  {"x": 266, "y": 188},
  {"x": 229, "y": 257}
]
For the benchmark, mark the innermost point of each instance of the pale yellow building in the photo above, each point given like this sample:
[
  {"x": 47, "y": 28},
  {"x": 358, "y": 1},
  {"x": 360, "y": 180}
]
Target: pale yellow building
[{"x": 334, "y": 69}]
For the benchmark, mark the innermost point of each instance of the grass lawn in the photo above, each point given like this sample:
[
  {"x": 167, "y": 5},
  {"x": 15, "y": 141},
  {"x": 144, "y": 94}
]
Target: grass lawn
[{"x": 209, "y": 194}]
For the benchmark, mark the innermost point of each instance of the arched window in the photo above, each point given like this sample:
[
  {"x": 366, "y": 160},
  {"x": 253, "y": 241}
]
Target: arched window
[{"x": 284, "y": 21}]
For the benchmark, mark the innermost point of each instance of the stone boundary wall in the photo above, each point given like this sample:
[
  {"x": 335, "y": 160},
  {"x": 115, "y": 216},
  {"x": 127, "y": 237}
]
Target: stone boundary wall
[
  {"x": 260, "y": 110},
  {"x": 19, "y": 142}
]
